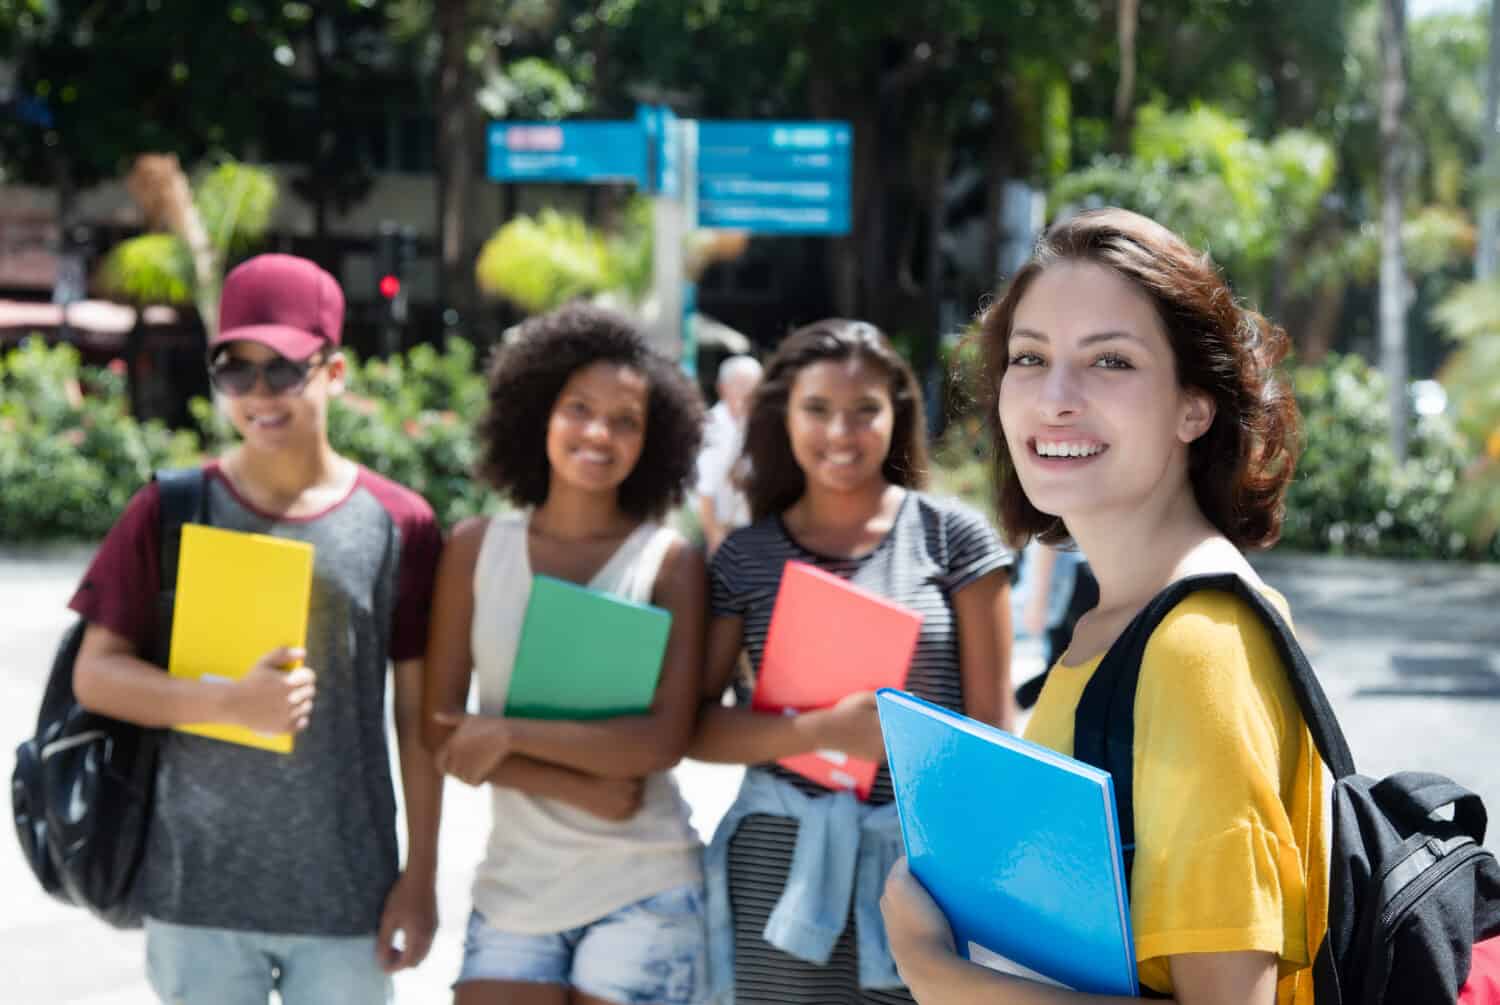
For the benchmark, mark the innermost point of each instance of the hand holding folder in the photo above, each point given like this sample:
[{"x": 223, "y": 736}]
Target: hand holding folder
[
  {"x": 1018, "y": 845},
  {"x": 239, "y": 597},
  {"x": 828, "y": 640}
]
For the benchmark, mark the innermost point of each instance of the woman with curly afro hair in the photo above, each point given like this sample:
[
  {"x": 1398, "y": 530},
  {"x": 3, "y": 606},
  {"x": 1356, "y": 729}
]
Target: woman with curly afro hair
[{"x": 591, "y": 888}]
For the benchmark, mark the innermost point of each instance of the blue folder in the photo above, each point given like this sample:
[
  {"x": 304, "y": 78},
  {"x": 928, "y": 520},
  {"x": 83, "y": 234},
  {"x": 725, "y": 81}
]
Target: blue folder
[{"x": 1019, "y": 845}]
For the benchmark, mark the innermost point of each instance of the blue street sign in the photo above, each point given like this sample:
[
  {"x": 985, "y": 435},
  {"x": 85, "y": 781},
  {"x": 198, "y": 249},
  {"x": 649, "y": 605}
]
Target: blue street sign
[
  {"x": 760, "y": 219},
  {"x": 568, "y": 151},
  {"x": 778, "y": 190},
  {"x": 775, "y": 177}
]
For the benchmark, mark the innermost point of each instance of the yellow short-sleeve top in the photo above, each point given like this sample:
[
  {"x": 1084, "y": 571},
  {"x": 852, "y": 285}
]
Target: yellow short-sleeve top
[{"x": 1231, "y": 852}]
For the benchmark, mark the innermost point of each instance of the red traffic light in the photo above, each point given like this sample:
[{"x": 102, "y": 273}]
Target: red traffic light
[{"x": 389, "y": 287}]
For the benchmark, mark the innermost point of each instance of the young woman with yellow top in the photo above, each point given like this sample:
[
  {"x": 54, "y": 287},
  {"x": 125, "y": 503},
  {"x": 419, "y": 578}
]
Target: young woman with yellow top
[{"x": 1138, "y": 413}]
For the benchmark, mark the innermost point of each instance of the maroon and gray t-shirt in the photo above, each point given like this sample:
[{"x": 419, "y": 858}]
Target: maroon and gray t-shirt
[{"x": 248, "y": 839}]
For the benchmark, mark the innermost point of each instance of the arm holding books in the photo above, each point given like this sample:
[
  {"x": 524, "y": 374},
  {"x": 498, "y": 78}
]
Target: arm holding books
[
  {"x": 740, "y": 736},
  {"x": 447, "y": 669},
  {"x": 922, "y": 944},
  {"x": 478, "y": 751},
  {"x": 629, "y": 747},
  {"x": 110, "y": 678}
]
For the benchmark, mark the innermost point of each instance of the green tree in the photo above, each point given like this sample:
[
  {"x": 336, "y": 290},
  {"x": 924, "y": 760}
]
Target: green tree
[
  {"x": 1201, "y": 173},
  {"x": 104, "y": 82},
  {"x": 1471, "y": 316}
]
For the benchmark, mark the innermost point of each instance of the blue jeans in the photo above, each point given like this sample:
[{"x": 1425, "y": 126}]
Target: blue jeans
[
  {"x": 191, "y": 965},
  {"x": 650, "y": 951}
]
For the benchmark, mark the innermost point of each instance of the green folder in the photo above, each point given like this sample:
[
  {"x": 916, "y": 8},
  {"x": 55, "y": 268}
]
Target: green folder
[{"x": 585, "y": 654}]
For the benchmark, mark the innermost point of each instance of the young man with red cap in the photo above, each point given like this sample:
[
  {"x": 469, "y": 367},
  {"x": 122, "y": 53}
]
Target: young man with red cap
[{"x": 266, "y": 871}]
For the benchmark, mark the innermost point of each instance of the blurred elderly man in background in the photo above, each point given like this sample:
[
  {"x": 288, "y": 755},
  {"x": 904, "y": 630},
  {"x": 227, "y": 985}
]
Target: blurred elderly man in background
[{"x": 721, "y": 505}]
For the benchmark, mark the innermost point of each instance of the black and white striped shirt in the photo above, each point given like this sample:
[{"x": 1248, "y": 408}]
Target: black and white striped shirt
[{"x": 935, "y": 548}]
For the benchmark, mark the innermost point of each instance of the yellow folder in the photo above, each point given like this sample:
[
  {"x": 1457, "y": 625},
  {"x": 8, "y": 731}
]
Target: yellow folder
[{"x": 239, "y": 596}]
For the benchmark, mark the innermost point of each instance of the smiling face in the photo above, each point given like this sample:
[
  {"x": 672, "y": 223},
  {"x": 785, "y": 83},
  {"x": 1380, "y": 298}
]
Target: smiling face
[
  {"x": 597, "y": 428},
  {"x": 839, "y": 419},
  {"x": 1093, "y": 415},
  {"x": 294, "y": 418}
]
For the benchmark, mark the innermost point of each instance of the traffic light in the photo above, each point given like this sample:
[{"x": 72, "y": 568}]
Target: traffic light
[
  {"x": 394, "y": 253},
  {"x": 395, "y": 250},
  {"x": 389, "y": 272}
]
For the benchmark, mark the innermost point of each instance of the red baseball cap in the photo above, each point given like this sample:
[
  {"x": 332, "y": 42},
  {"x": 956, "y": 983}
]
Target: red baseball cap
[{"x": 285, "y": 303}]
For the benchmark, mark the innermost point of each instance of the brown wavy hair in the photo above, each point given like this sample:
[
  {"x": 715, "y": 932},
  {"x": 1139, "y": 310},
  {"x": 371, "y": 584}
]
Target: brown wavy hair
[
  {"x": 1241, "y": 467},
  {"x": 774, "y": 480}
]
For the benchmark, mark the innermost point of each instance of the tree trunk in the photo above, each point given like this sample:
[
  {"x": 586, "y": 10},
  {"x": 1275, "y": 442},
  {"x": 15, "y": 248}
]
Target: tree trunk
[
  {"x": 1318, "y": 329},
  {"x": 843, "y": 254},
  {"x": 926, "y": 360},
  {"x": 161, "y": 188},
  {"x": 1127, "y": 17},
  {"x": 322, "y": 138},
  {"x": 1392, "y": 178},
  {"x": 1487, "y": 263},
  {"x": 996, "y": 168},
  {"x": 454, "y": 158}
]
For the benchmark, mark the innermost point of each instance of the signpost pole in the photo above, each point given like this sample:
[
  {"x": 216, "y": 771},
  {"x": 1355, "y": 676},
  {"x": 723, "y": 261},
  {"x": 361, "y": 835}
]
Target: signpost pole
[
  {"x": 689, "y": 151},
  {"x": 669, "y": 229}
]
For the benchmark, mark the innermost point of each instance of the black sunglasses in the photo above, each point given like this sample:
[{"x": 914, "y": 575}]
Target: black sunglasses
[{"x": 235, "y": 377}]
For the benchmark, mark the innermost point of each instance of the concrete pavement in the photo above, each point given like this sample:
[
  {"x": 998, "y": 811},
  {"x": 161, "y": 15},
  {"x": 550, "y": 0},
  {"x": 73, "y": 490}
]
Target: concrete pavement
[{"x": 1409, "y": 652}]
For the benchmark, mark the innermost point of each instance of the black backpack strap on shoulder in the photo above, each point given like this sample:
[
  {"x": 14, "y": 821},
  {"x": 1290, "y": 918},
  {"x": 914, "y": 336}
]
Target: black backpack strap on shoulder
[
  {"x": 184, "y": 499},
  {"x": 1104, "y": 724}
]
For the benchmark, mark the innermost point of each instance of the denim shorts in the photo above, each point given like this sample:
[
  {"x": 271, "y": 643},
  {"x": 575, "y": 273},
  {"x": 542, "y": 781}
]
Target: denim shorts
[
  {"x": 192, "y": 965},
  {"x": 652, "y": 951}
]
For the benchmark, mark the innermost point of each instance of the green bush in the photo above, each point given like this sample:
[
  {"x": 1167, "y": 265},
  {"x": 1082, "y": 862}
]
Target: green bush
[
  {"x": 1350, "y": 495},
  {"x": 412, "y": 419},
  {"x": 71, "y": 456},
  {"x": 539, "y": 264}
]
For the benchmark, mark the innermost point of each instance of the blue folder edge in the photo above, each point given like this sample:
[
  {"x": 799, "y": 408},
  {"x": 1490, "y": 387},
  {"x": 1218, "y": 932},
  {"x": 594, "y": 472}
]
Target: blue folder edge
[{"x": 903, "y": 702}]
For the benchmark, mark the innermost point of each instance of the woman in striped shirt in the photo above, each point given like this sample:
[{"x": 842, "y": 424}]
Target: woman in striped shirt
[{"x": 836, "y": 451}]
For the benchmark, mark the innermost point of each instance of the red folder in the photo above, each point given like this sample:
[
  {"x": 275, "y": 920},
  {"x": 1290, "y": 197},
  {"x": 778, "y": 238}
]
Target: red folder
[{"x": 829, "y": 638}]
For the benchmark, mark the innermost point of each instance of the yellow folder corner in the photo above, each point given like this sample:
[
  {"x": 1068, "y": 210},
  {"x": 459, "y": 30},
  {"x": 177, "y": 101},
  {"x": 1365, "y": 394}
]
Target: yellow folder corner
[{"x": 239, "y": 596}]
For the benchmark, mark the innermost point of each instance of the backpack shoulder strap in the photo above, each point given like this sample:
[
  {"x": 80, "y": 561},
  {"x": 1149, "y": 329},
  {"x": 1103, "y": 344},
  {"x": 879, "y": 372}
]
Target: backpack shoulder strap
[
  {"x": 1104, "y": 724},
  {"x": 184, "y": 499}
]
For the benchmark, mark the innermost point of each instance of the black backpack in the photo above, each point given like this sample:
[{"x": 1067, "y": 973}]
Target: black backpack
[
  {"x": 1410, "y": 894},
  {"x": 82, "y": 786}
]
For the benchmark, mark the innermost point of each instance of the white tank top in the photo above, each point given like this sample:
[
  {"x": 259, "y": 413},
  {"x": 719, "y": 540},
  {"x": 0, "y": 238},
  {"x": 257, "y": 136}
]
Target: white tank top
[{"x": 550, "y": 866}]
